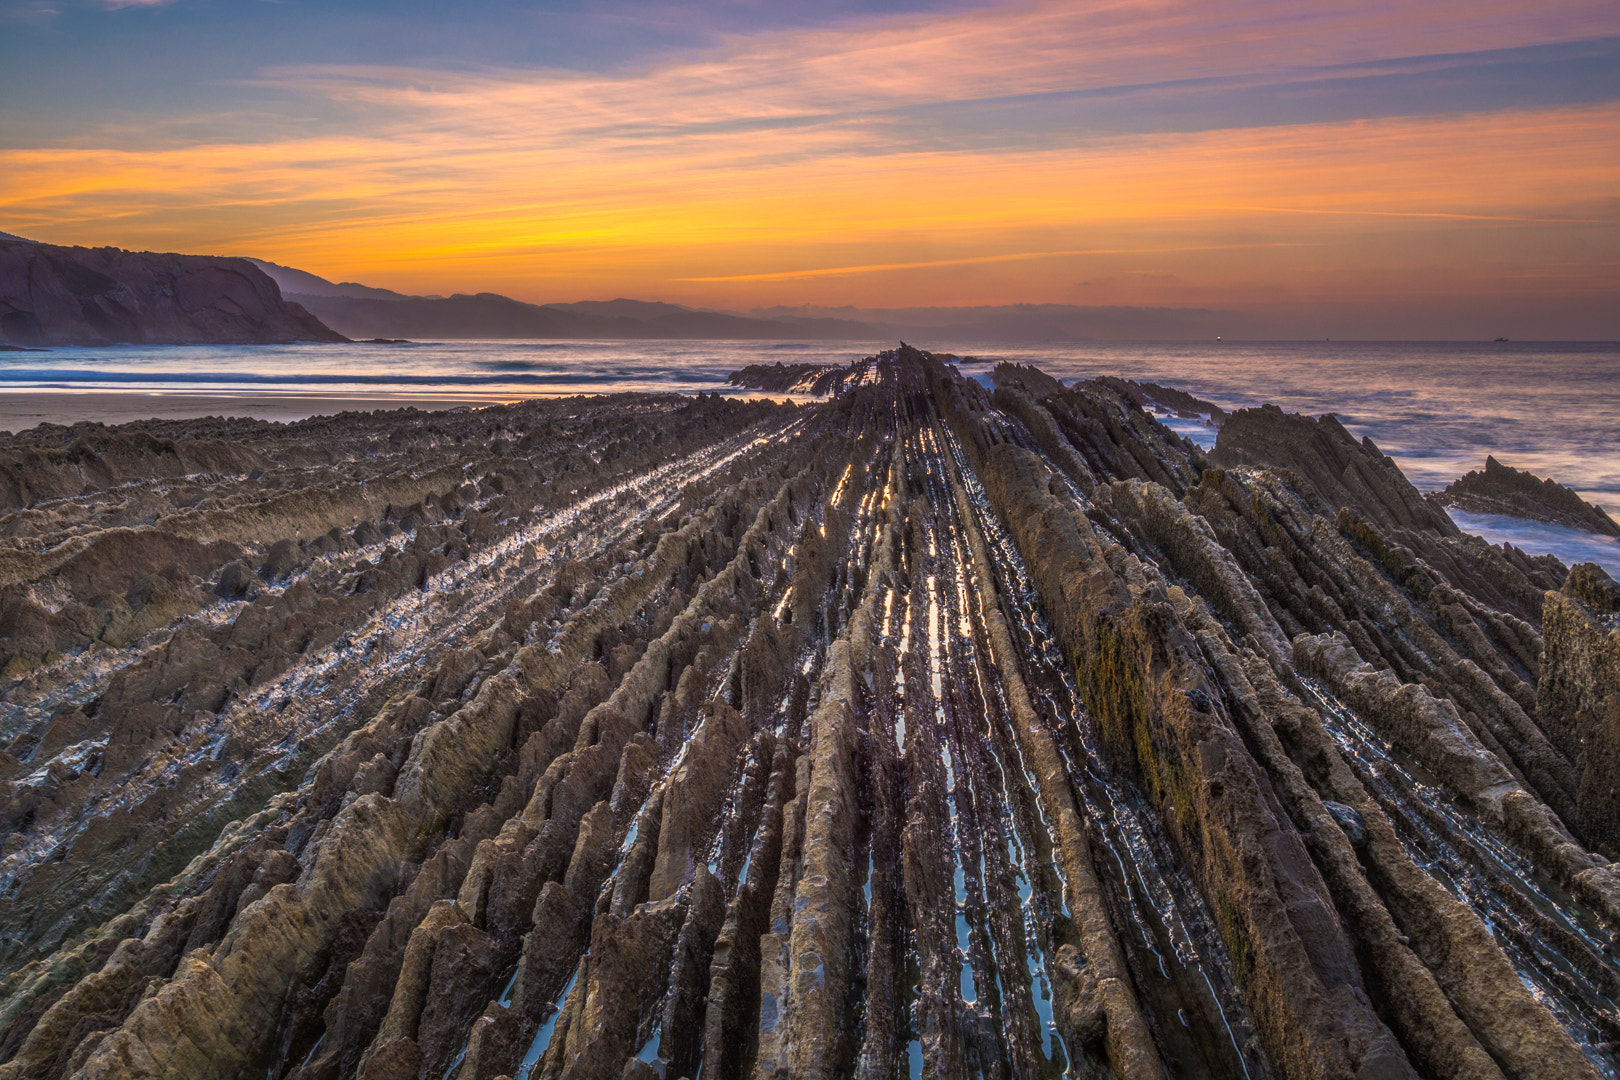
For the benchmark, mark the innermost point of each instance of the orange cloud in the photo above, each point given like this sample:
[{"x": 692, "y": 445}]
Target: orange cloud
[{"x": 1364, "y": 198}]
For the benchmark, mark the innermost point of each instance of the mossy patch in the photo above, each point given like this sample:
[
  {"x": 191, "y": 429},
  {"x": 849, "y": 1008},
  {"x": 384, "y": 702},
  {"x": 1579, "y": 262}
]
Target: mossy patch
[
  {"x": 1372, "y": 545},
  {"x": 1114, "y": 693},
  {"x": 1588, "y": 583},
  {"x": 1181, "y": 800},
  {"x": 1262, "y": 513},
  {"x": 1235, "y": 935}
]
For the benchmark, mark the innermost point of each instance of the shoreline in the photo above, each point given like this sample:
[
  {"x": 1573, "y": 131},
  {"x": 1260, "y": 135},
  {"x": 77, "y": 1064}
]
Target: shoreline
[
  {"x": 25, "y": 409},
  {"x": 21, "y": 410}
]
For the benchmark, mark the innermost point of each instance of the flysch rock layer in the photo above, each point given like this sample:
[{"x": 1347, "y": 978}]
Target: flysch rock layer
[
  {"x": 926, "y": 731},
  {"x": 1502, "y": 489},
  {"x": 52, "y": 295}
]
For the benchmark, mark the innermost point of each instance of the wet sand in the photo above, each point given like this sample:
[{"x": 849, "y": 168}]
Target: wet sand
[{"x": 23, "y": 409}]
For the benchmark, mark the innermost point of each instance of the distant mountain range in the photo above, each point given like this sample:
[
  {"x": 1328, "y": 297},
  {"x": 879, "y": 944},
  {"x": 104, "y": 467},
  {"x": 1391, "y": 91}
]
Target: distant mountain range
[
  {"x": 303, "y": 283},
  {"x": 1009, "y": 324},
  {"x": 56, "y": 295},
  {"x": 360, "y": 311}
]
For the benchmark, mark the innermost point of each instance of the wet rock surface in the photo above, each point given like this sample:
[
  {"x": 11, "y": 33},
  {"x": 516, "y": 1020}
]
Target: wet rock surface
[
  {"x": 779, "y": 378},
  {"x": 930, "y": 730}
]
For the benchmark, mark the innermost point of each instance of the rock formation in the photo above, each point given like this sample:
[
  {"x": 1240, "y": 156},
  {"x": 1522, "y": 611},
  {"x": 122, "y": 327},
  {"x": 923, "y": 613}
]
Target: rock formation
[
  {"x": 1331, "y": 467},
  {"x": 1502, "y": 489},
  {"x": 53, "y": 295},
  {"x": 779, "y": 378},
  {"x": 1578, "y": 695},
  {"x": 1165, "y": 397},
  {"x": 929, "y": 730}
]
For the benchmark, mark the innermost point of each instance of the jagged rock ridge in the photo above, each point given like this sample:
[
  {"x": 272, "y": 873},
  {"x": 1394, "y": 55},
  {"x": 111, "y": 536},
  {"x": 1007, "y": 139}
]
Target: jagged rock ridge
[
  {"x": 1502, "y": 489},
  {"x": 930, "y": 728}
]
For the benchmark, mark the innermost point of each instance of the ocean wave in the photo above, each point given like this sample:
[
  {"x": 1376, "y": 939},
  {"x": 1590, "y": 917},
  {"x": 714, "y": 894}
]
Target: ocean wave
[{"x": 1539, "y": 538}]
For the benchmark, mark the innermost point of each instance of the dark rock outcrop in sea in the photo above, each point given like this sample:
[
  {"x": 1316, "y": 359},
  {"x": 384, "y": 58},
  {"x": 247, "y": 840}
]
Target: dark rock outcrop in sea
[
  {"x": 53, "y": 295},
  {"x": 1502, "y": 489},
  {"x": 780, "y": 378},
  {"x": 1167, "y": 398},
  {"x": 928, "y": 730}
]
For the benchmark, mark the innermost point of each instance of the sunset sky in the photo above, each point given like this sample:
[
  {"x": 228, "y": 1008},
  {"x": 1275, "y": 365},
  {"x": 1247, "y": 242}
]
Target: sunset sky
[{"x": 1383, "y": 169}]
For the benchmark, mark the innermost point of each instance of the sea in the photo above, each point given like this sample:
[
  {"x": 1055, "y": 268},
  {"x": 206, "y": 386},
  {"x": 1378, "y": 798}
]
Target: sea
[{"x": 1438, "y": 408}]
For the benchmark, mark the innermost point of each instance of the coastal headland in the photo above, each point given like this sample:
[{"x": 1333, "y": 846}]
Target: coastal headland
[
  {"x": 931, "y": 729},
  {"x": 51, "y": 295}
]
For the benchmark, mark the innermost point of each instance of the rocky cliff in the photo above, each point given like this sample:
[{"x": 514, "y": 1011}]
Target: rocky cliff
[
  {"x": 53, "y": 295},
  {"x": 928, "y": 730},
  {"x": 1578, "y": 695}
]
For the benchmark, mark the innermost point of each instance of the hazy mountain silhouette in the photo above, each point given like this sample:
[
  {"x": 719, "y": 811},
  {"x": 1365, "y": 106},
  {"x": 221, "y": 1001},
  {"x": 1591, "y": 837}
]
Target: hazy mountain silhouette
[{"x": 361, "y": 311}]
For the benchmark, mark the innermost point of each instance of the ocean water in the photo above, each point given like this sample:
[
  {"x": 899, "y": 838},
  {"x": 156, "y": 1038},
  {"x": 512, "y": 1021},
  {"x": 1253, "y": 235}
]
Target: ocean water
[{"x": 1437, "y": 408}]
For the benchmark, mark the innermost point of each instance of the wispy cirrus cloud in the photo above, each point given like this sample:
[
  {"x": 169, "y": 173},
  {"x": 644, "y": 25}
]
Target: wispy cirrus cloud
[
  {"x": 35, "y": 12},
  {"x": 975, "y": 260},
  {"x": 1001, "y": 56},
  {"x": 1367, "y": 205}
]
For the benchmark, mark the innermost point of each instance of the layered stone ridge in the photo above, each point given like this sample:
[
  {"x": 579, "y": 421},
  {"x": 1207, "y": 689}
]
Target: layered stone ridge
[
  {"x": 929, "y": 730},
  {"x": 1328, "y": 466},
  {"x": 1502, "y": 489},
  {"x": 55, "y": 296}
]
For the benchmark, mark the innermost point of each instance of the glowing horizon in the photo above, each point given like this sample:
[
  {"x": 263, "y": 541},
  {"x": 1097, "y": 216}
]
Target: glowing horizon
[{"x": 1286, "y": 159}]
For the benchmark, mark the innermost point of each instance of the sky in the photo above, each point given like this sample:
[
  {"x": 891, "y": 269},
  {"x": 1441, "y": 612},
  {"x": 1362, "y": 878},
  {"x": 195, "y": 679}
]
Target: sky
[{"x": 1429, "y": 168}]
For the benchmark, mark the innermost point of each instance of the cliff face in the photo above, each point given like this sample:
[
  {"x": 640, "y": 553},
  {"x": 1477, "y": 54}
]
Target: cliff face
[
  {"x": 1578, "y": 697},
  {"x": 53, "y": 295}
]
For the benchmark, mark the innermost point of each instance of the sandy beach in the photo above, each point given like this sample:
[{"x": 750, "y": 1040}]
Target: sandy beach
[{"x": 23, "y": 409}]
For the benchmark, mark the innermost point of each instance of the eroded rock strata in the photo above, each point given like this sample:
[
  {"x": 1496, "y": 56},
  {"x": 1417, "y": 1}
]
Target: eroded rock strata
[
  {"x": 930, "y": 730},
  {"x": 1502, "y": 489}
]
